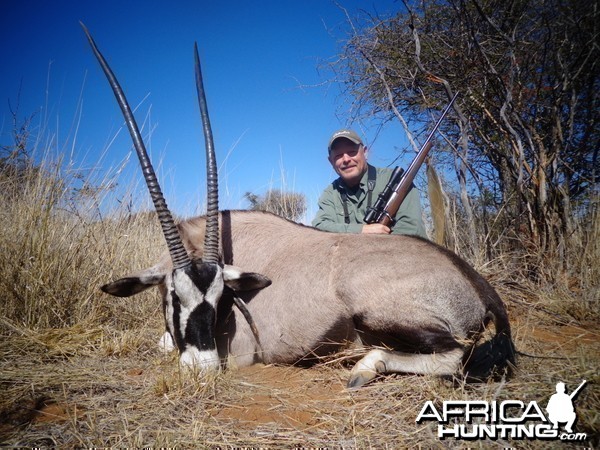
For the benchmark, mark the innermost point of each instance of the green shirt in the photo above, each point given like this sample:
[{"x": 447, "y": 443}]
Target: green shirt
[{"x": 330, "y": 216}]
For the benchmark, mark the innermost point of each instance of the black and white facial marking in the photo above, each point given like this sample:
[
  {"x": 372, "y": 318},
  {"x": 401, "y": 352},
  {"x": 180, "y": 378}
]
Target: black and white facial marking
[{"x": 191, "y": 304}]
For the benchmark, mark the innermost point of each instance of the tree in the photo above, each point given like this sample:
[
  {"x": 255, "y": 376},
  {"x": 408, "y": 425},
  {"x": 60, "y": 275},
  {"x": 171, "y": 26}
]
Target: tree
[
  {"x": 525, "y": 133},
  {"x": 291, "y": 205}
]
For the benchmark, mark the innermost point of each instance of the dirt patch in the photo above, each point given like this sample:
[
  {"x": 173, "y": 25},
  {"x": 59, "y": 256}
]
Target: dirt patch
[
  {"x": 566, "y": 337},
  {"x": 287, "y": 396},
  {"x": 40, "y": 411},
  {"x": 51, "y": 412}
]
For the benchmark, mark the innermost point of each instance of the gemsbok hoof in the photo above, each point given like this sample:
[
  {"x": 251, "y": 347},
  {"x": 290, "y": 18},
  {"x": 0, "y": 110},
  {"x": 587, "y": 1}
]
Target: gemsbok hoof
[{"x": 166, "y": 343}]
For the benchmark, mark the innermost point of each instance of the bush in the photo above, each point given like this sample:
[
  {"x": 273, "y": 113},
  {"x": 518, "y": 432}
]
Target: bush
[{"x": 290, "y": 205}]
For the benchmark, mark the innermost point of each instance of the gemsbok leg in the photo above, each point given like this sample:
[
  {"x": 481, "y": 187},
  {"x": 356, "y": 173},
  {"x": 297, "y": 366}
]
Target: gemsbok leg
[{"x": 379, "y": 361}]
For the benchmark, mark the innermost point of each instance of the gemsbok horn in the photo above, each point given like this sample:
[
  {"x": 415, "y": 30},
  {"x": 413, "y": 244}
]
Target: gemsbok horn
[{"x": 193, "y": 287}]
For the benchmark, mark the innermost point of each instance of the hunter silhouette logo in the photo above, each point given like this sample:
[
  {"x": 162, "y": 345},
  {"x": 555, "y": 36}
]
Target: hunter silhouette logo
[
  {"x": 508, "y": 419},
  {"x": 560, "y": 407}
]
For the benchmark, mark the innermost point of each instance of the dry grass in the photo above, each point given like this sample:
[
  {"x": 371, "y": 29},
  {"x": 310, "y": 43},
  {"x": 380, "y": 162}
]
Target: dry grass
[
  {"x": 114, "y": 389},
  {"x": 80, "y": 369}
]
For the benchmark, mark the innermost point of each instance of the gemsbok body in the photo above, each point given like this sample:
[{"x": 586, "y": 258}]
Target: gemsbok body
[{"x": 305, "y": 293}]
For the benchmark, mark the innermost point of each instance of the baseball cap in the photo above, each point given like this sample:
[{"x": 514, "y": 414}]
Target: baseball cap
[{"x": 348, "y": 134}]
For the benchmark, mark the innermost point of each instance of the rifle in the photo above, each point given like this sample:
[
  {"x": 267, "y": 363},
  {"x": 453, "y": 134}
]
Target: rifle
[{"x": 389, "y": 200}]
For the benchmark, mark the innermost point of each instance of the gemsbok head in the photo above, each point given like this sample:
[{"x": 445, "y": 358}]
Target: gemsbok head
[{"x": 193, "y": 288}]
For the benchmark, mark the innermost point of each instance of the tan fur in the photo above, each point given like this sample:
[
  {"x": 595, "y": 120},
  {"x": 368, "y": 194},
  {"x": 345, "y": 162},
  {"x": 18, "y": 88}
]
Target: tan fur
[
  {"x": 321, "y": 281},
  {"x": 331, "y": 289}
]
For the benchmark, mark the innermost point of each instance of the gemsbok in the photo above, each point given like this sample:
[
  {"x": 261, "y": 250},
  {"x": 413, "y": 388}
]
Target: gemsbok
[{"x": 306, "y": 293}]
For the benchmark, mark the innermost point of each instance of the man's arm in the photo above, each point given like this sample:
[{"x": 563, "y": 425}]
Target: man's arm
[
  {"x": 327, "y": 218},
  {"x": 409, "y": 218}
]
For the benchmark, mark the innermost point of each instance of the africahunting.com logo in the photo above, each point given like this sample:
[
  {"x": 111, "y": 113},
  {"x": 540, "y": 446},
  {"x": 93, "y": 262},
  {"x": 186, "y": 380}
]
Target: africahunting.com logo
[{"x": 508, "y": 419}]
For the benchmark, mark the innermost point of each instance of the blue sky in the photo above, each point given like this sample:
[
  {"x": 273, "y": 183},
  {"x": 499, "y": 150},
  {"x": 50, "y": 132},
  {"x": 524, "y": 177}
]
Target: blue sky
[{"x": 271, "y": 101}]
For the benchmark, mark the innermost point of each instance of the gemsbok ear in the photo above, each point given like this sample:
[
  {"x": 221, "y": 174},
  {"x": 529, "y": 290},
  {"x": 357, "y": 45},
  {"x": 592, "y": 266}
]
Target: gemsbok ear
[
  {"x": 134, "y": 284},
  {"x": 240, "y": 281}
]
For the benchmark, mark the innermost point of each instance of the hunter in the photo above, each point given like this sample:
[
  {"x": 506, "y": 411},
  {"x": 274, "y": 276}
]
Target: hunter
[{"x": 343, "y": 204}]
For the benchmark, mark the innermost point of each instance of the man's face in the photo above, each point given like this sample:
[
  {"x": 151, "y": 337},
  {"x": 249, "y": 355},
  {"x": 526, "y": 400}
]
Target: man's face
[{"x": 348, "y": 160}]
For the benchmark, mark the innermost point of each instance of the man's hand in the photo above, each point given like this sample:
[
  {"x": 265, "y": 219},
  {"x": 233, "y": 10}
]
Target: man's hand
[{"x": 375, "y": 228}]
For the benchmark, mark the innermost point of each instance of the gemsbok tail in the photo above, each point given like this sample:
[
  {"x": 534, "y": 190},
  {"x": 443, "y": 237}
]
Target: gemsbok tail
[{"x": 495, "y": 357}]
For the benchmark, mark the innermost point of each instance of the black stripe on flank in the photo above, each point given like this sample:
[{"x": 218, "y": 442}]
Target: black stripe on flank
[
  {"x": 412, "y": 339},
  {"x": 200, "y": 328}
]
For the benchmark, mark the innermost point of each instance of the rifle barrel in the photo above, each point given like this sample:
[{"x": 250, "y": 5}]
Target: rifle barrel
[
  {"x": 418, "y": 161},
  {"x": 401, "y": 191}
]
